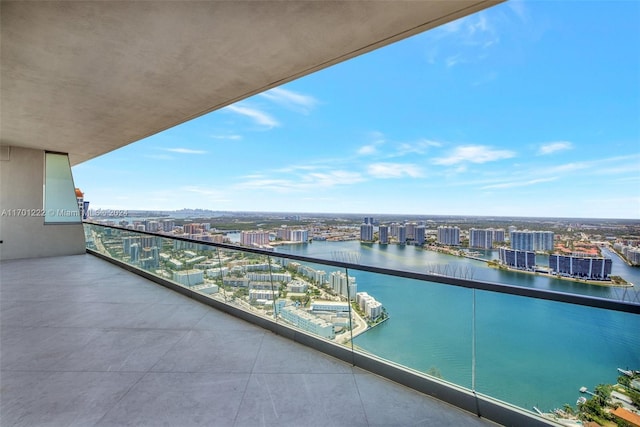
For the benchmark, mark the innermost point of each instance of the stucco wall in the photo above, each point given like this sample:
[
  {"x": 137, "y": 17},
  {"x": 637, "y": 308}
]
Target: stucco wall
[{"x": 21, "y": 187}]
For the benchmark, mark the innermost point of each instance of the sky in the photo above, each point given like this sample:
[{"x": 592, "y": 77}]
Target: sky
[{"x": 529, "y": 108}]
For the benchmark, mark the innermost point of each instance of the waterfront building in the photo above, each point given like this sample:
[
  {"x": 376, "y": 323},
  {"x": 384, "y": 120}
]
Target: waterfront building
[
  {"x": 591, "y": 268},
  {"x": 630, "y": 253},
  {"x": 189, "y": 277},
  {"x": 481, "y": 238},
  {"x": 369, "y": 305},
  {"x": 383, "y": 234},
  {"x": 366, "y": 232},
  {"x": 420, "y": 235},
  {"x": 402, "y": 234},
  {"x": 524, "y": 260},
  {"x": 343, "y": 285},
  {"x": 253, "y": 238},
  {"x": 449, "y": 235},
  {"x": 542, "y": 240},
  {"x": 521, "y": 240},
  {"x": 307, "y": 321},
  {"x": 411, "y": 230},
  {"x": 300, "y": 235},
  {"x": 531, "y": 240},
  {"x": 394, "y": 229},
  {"x": 499, "y": 235},
  {"x": 283, "y": 233}
]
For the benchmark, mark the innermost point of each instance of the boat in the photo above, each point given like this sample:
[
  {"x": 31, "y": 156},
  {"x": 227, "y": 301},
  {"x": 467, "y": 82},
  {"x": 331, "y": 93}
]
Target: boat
[
  {"x": 626, "y": 372},
  {"x": 581, "y": 400}
]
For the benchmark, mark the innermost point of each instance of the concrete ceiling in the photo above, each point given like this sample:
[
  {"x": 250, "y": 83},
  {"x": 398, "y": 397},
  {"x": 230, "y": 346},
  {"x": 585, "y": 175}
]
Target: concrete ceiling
[{"x": 88, "y": 77}]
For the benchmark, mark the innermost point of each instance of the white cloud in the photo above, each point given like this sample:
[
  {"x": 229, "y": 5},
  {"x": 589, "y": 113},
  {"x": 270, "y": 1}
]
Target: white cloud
[
  {"x": 232, "y": 137},
  {"x": 337, "y": 177},
  {"x": 473, "y": 154},
  {"x": 552, "y": 147},
  {"x": 465, "y": 40},
  {"x": 159, "y": 156},
  {"x": 289, "y": 99},
  {"x": 203, "y": 191},
  {"x": 306, "y": 182},
  {"x": 378, "y": 140},
  {"x": 185, "y": 151},
  {"x": 419, "y": 147},
  {"x": 258, "y": 116},
  {"x": 366, "y": 150},
  {"x": 394, "y": 170},
  {"x": 513, "y": 184}
]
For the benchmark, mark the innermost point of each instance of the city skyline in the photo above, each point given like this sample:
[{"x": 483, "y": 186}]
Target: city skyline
[{"x": 526, "y": 109}]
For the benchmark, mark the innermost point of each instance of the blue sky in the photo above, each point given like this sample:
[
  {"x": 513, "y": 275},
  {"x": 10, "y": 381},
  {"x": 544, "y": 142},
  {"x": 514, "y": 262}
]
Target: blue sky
[{"x": 530, "y": 108}]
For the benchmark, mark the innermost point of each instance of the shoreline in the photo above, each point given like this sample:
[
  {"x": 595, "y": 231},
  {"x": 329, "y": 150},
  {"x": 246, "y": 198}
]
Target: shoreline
[
  {"x": 490, "y": 264},
  {"x": 605, "y": 283}
]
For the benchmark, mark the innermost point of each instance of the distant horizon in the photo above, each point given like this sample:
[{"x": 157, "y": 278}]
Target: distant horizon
[
  {"x": 364, "y": 214},
  {"x": 524, "y": 109}
]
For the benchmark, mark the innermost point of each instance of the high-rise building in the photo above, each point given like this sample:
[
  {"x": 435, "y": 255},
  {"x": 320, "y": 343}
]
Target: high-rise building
[
  {"x": 402, "y": 234},
  {"x": 449, "y": 235},
  {"x": 420, "y": 235},
  {"x": 366, "y": 232},
  {"x": 591, "y": 268},
  {"x": 343, "y": 285},
  {"x": 299, "y": 235},
  {"x": 481, "y": 238},
  {"x": 531, "y": 240},
  {"x": 249, "y": 238},
  {"x": 168, "y": 225},
  {"x": 134, "y": 252},
  {"x": 383, "y": 234},
  {"x": 525, "y": 260},
  {"x": 542, "y": 240},
  {"x": 411, "y": 230},
  {"x": 394, "y": 229}
]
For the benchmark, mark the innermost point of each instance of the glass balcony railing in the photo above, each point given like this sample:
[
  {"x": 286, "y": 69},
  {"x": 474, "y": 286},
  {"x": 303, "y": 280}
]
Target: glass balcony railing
[{"x": 492, "y": 349}]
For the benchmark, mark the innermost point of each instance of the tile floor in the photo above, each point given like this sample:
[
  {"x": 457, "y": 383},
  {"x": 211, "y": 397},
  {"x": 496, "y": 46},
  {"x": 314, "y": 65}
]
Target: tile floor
[{"x": 86, "y": 343}]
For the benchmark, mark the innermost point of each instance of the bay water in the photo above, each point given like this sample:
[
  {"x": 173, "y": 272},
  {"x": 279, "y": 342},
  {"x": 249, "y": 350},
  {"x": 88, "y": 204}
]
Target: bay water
[{"x": 525, "y": 351}]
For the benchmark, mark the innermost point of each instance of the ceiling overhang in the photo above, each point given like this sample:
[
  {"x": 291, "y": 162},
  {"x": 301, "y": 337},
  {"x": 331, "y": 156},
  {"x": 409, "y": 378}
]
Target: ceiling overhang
[{"x": 88, "y": 77}]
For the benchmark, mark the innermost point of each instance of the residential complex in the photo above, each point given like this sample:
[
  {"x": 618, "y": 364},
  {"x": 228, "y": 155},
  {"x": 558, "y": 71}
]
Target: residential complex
[
  {"x": 448, "y": 235},
  {"x": 522, "y": 260},
  {"x": 590, "y": 268},
  {"x": 483, "y": 238},
  {"x": 531, "y": 240}
]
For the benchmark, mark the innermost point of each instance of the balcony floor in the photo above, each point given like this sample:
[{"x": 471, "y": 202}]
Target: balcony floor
[{"x": 86, "y": 343}]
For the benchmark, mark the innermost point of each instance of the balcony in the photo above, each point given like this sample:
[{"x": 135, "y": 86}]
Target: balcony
[
  {"x": 98, "y": 319},
  {"x": 86, "y": 343}
]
